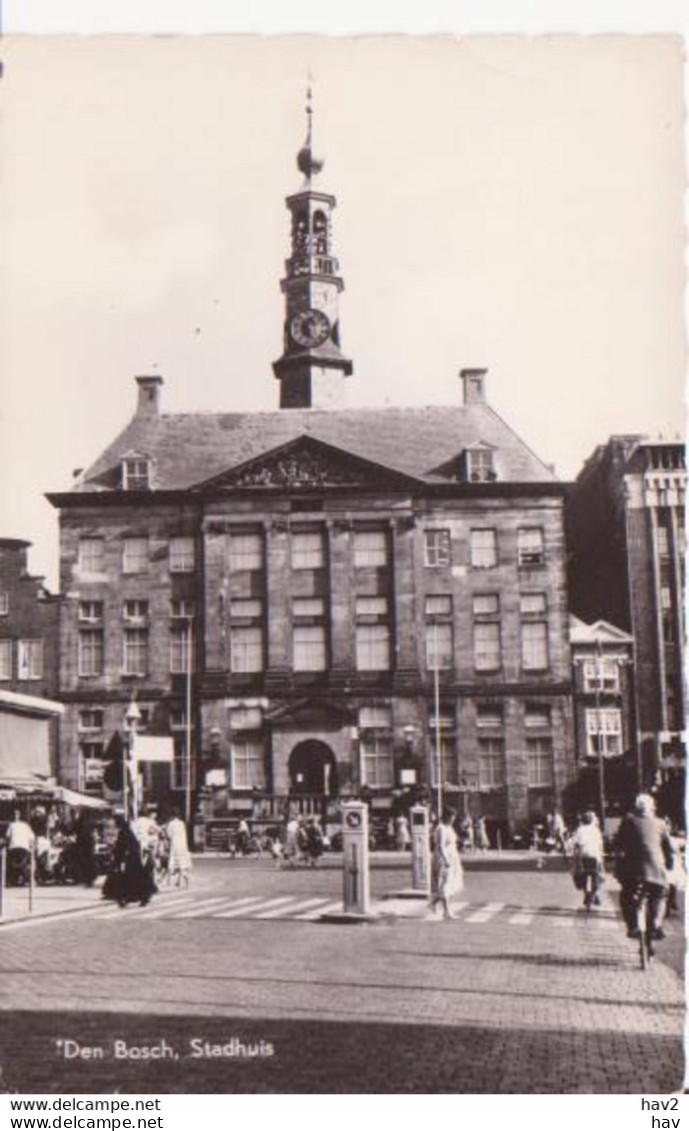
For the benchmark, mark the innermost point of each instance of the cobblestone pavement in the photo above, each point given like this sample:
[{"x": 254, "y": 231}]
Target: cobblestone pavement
[{"x": 523, "y": 992}]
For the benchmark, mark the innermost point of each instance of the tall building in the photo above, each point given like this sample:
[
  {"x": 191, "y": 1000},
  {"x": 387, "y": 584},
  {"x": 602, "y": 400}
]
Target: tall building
[
  {"x": 355, "y": 590},
  {"x": 625, "y": 528},
  {"x": 29, "y": 643}
]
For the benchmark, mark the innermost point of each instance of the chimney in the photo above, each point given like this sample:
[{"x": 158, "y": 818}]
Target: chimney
[
  {"x": 473, "y": 381},
  {"x": 148, "y": 403}
]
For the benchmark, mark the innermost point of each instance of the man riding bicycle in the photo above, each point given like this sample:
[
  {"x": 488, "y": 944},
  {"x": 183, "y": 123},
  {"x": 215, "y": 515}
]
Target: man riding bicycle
[
  {"x": 587, "y": 846},
  {"x": 644, "y": 853}
]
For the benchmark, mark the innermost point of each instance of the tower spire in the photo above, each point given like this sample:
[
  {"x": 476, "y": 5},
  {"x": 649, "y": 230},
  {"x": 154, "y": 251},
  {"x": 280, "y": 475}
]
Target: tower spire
[
  {"x": 308, "y": 162},
  {"x": 312, "y": 367}
]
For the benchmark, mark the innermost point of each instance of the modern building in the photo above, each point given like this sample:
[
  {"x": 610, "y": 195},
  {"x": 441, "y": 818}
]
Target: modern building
[
  {"x": 325, "y": 596},
  {"x": 626, "y": 538},
  {"x": 29, "y": 624}
]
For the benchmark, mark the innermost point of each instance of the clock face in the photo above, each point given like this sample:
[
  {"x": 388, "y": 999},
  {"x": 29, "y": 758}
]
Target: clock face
[{"x": 309, "y": 328}]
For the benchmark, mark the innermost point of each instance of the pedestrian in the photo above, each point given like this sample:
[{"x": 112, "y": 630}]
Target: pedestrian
[
  {"x": 447, "y": 872},
  {"x": 291, "y": 841},
  {"x": 179, "y": 857},
  {"x": 314, "y": 841},
  {"x": 85, "y": 851},
  {"x": 20, "y": 845},
  {"x": 243, "y": 835},
  {"x": 132, "y": 881},
  {"x": 402, "y": 834},
  {"x": 644, "y": 854},
  {"x": 557, "y": 830},
  {"x": 480, "y": 834},
  {"x": 587, "y": 859}
]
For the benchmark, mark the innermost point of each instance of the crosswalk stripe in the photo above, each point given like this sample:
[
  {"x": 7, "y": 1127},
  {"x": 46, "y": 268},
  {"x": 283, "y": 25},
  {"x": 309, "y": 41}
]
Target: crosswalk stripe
[
  {"x": 485, "y": 914},
  {"x": 523, "y": 917},
  {"x": 200, "y": 908},
  {"x": 238, "y": 907},
  {"x": 564, "y": 920},
  {"x": 300, "y": 905},
  {"x": 165, "y": 907},
  {"x": 607, "y": 924},
  {"x": 309, "y": 916},
  {"x": 150, "y": 909}
]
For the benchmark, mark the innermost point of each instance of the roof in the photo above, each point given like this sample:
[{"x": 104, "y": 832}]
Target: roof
[
  {"x": 600, "y": 631},
  {"x": 188, "y": 449}
]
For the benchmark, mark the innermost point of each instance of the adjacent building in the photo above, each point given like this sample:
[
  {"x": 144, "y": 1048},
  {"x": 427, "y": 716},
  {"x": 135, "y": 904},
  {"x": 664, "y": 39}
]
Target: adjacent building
[
  {"x": 318, "y": 600},
  {"x": 29, "y": 619},
  {"x": 626, "y": 538}
]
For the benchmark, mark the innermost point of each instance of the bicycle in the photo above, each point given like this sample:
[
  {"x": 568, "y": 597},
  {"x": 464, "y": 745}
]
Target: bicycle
[
  {"x": 590, "y": 876},
  {"x": 645, "y": 931}
]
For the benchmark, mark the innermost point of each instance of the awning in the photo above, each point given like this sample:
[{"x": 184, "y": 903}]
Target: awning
[{"x": 78, "y": 800}]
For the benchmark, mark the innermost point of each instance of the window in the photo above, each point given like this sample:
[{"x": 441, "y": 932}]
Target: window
[
  {"x": 437, "y": 548},
  {"x": 248, "y": 764},
  {"x": 178, "y": 719},
  {"x": 665, "y": 597},
  {"x": 439, "y": 606},
  {"x": 308, "y": 550},
  {"x": 4, "y": 604},
  {"x": 178, "y": 767},
  {"x": 182, "y": 554},
  {"x": 246, "y": 648},
  {"x": 372, "y": 647},
  {"x": 535, "y": 646},
  {"x": 539, "y": 752},
  {"x": 601, "y": 674},
  {"x": 439, "y": 649},
  {"x": 487, "y": 647},
  {"x": 489, "y": 715},
  {"x": 135, "y": 555},
  {"x": 91, "y": 555},
  {"x": 30, "y": 659},
  {"x": 375, "y": 740},
  {"x": 371, "y": 609},
  {"x": 246, "y": 552},
  {"x": 484, "y": 549},
  {"x": 486, "y": 605},
  {"x": 491, "y": 763},
  {"x": 5, "y": 659},
  {"x": 91, "y": 718},
  {"x": 536, "y": 717},
  {"x": 248, "y": 609},
  {"x": 246, "y": 718},
  {"x": 530, "y": 546},
  {"x": 603, "y": 733},
  {"x": 91, "y": 612},
  {"x": 90, "y": 659},
  {"x": 180, "y": 646},
  {"x": 662, "y": 541},
  {"x": 480, "y": 465},
  {"x": 135, "y": 661},
  {"x": 532, "y": 604},
  {"x": 92, "y": 766},
  {"x": 135, "y": 612},
  {"x": 370, "y": 548},
  {"x": 309, "y": 648},
  {"x": 136, "y": 473},
  {"x": 181, "y": 609},
  {"x": 306, "y": 607}
]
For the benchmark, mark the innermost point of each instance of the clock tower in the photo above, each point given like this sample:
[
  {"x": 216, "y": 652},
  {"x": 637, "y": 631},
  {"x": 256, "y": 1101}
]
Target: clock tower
[{"x": 312, "y": 368}]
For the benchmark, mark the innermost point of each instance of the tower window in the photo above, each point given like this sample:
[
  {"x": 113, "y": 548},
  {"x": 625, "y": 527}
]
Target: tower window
[
  {"x": 479, "y": 465},
  {"x": 135, "y": 555},
  {"x": 136, "y": 473},
  {"x": 181, "y": 555},
  {"x": 307, "y": 550},
  {"x": 437, "y": 548},
  {"x": 370, "y": 548},
  {"x": 484, "y": 548},
  {"x": 530, "y": 546}
]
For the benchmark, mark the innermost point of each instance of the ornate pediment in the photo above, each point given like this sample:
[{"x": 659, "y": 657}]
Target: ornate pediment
[
  {"x": 306, "y": 464},
  {"x": 309, "y": 713}
]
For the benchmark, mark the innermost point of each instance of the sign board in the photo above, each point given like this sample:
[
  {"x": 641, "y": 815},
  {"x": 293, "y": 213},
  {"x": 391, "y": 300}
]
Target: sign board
[
  {"x": 150, "y": 748},
  {"x": 407, "y": 777}
]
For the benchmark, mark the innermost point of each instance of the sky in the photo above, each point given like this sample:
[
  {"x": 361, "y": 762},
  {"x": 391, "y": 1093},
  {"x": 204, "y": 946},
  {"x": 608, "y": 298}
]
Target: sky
[{"x": 507, "y": 202}]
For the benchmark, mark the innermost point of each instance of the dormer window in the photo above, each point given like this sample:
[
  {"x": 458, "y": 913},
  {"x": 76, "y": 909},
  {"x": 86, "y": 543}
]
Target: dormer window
[
  {"x": 478, "y": 465},
  {"x": 136, "y": 473}
]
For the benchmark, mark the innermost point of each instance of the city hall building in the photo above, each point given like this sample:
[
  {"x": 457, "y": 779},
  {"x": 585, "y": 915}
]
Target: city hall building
[{"x": 320, "y": 601}]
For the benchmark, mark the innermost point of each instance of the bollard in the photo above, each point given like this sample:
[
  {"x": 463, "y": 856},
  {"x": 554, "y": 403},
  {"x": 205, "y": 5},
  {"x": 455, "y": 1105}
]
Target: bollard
[
  {"x": 499, "y": 841},
  {"x": 420, "y": 850},
  {"x": 356, "y": 903}
]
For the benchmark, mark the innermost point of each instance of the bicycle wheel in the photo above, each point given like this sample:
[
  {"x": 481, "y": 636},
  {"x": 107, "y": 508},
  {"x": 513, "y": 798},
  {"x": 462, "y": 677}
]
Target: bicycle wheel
[{"x": 645, "y": 936}]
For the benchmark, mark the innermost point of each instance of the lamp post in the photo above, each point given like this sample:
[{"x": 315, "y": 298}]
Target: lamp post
[
  {"x": 436, "y": 705},
  {"x": 188, "y": 727},
  {"x": 132, "y": 716},
  {"x": 599, "y": 721}
]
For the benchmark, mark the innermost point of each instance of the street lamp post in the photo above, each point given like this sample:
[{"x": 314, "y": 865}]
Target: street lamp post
[
  {"x": 132, "y": 716},
  {"x": 599, "y": 726},
  {"x": 188, "y": 726},
  {"x": 436, "y": 703}
]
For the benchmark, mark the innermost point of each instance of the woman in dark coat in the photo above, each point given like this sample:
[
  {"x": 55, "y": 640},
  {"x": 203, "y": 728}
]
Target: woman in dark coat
[{"x": 131, "y": 881}]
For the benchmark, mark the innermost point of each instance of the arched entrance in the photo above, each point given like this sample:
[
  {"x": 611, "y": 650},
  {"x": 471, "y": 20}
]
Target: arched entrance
[{"x": 313, "y": 769}]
